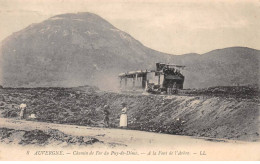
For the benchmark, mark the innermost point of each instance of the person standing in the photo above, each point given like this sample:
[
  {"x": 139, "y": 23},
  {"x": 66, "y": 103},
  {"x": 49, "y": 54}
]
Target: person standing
[
  {"x": 23, "y": 110},
  {"x": 123, "y": 117},
  {"x": 106, "y": 115}
]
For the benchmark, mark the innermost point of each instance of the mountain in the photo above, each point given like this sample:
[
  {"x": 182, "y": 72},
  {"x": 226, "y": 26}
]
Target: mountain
[
  {"x": 77, "y": 49},
  {"x": 71, "y": 50},
  {"x": 222, "y": 67}
]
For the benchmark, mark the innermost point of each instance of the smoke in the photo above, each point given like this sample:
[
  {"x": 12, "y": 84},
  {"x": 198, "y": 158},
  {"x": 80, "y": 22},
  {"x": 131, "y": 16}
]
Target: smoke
[{"x": 107, "y": 81}]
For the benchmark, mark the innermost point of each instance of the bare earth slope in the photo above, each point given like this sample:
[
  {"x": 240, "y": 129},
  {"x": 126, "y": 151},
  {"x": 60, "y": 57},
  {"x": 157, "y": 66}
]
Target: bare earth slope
[{"x": 201, "y": 115}]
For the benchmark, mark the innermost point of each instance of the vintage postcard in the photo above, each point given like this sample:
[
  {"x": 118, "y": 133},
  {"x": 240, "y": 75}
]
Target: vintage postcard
[{"x": 129, "y": 80}]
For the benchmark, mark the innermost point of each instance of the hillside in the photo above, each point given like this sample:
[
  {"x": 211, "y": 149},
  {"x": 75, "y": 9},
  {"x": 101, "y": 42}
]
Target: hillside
[
  {"x": 200, "y": 114},
  {"x": 222, "y": 67},
  {"x": 77, "y": 49}
]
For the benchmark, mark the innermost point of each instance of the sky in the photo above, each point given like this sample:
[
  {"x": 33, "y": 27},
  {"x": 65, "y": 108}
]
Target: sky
[{"x": 171, "y": 26}]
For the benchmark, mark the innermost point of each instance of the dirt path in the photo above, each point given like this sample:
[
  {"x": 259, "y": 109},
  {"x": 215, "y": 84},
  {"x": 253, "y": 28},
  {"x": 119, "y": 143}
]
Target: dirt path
[{"x": 140, "y": 142}]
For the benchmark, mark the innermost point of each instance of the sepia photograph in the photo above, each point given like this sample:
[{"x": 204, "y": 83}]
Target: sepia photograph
[{"x": 129, "y": 80}]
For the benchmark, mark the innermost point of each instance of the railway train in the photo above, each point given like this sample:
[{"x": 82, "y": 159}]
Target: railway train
[{"x": 166, "y": 78}]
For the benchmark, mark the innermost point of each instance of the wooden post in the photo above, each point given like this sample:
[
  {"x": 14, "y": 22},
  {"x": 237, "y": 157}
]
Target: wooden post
[
  {"x": 125, "y": 82},
  {"x": 146, "y": 85},
  {"x": 159, "y": 79},
  {"x": 144, "y": 78},
  {"x": 133, "y": 82}
]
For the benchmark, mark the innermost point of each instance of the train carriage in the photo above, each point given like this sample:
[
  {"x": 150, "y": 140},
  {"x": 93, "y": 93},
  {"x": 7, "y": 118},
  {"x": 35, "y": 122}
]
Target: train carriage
[{"x": 166, "y": 78}]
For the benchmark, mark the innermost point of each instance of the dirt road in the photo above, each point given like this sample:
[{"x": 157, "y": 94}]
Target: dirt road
[{"x": 135, "y": 145}]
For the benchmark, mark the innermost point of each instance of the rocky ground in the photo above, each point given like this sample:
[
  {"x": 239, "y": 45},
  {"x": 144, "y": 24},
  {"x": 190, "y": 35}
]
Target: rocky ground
[
  {"x": 42, "y": 138},
  {"x": 203, "y": 113}
]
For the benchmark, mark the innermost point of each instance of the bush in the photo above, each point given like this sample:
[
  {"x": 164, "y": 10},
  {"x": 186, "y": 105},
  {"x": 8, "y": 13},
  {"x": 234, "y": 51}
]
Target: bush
[{"x": 10, "y": 113}]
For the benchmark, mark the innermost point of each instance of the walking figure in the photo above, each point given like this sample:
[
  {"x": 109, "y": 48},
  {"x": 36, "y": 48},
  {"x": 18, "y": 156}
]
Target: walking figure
[
  {"x": 106, "y": 115},
  {"x": 23, "y": 110},
  {"x": 123, "y": 117}
]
